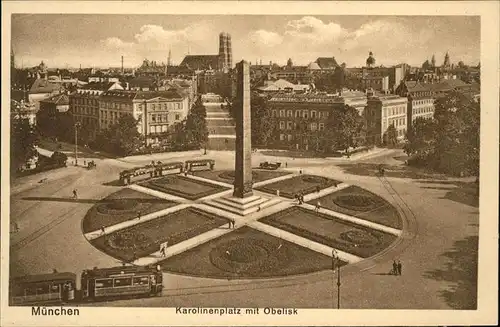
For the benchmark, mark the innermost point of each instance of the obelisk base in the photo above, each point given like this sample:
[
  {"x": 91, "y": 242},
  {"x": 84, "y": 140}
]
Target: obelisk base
[
  {"x": 243, "y": 206},
  {"x": 244, "y": 191}
]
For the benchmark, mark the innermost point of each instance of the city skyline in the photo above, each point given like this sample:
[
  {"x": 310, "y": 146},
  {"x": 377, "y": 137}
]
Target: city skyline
[{"x": 101, "y": 40}]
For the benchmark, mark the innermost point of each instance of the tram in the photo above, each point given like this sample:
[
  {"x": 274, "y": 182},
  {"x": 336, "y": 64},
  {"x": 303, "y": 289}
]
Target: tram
[
  {"x": 96, "y": 284},
  {"x": 204, "y": 164},
  {"x": 120, "y": 282},
  {"x": 152, "y": 170},
  {"x": 54, "y": 288}
]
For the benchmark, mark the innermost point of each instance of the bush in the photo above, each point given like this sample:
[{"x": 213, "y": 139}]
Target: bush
[{"x": 59, "y": 158}]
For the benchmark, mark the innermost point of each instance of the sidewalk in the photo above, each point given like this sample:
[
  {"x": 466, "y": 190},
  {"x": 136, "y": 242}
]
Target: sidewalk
[
  {"x": 304, "y": 242},
  {"x": 323, "y": 192},
  {"x": 357, "y": 221},
  {"x": 129, "y": 223},
  {"x": 157, "y": 194}
]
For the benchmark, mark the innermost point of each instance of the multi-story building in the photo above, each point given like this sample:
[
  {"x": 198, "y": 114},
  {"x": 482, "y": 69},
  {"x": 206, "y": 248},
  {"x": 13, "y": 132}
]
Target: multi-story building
[
  {"x": 420, "y": 100},
  {"x": 300, "y": 118},
  {"x": 84, "y": 104},
  {"x": 383, "y": 111},
  {"x": 154, "y": 110}
]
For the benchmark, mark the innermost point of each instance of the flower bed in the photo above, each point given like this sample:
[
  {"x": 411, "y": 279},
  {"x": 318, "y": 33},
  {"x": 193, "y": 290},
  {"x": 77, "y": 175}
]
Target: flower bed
[
  {"x": 324, "y": 229},
  {"x": 252, "y": 254},
  {"x": 227, "y": 176},
  {"x": 121, "y": 206},
  {"x": 358, "y": 202},
  {"x": 184, "y": 187},
  {"x": 175, "y": 227}
]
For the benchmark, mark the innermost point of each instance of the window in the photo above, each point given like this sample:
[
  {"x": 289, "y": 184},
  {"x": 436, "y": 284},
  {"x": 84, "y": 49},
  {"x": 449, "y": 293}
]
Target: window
[
  {"x": 288, "y": 125},
  {"x": 282, "y": 125},
  {"x": 314, "y": 126},
  {"x": 305, "y": 114},
  {"x": 313, "y": 114},
  {"x": 103, "y": 283},
  {"x": 282, "y": 137},
  {"x": 321, "y": 126},
  {"x": 290, "y": 137},
  {"x": 289, "y": 113},
  {"x": 282, "y": 113},
  {"x": 141, "y": 280},
  {"x": 273, "y": 113},
  {"x": 297, "y": 113},
  {"x": 153, "y": 107},
  {"x": 177, "y": 116},
  {"x": 126, "y": 281}
]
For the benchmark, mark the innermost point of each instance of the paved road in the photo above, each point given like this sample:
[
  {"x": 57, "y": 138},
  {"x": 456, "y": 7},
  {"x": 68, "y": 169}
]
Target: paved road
[{"x": 51, "y": 237}]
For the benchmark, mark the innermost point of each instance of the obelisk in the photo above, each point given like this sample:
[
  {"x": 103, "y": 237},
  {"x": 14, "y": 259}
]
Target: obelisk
[{"x": 243, "y": 146}]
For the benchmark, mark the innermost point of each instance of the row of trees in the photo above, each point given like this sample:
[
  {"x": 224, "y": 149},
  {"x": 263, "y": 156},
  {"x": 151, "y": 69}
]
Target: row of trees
[
  {"x": 449, "y": 142},
  {"x": 24, "y": 138}
]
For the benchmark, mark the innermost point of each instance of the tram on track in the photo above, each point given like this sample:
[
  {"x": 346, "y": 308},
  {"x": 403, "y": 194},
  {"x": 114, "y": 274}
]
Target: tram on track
[{"x": 96, "y": 284}]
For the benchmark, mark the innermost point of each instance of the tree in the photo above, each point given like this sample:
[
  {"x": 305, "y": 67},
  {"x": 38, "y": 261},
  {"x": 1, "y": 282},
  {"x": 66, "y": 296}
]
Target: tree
[
  {"x": 433, "y": 61},
  {"x": 421, "y": 138},
  {"x": 339, "y": 78},
  {"x": 122, "y": 138},
  {"x": 344, "y": 128},
  {"x": 23, "y": 141},
  {"x": 195, "y": 128},
  {"x": 461, "y": 64},
  {"x": 391, "y": 135},
  {"x": 262, "y": 123},
  {"x": 426, "y": 65}
]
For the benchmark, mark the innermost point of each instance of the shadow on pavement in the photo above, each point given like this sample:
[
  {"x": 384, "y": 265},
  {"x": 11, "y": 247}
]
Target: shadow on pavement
[
  {"x": 115, "y": 182},
  {"x": 397, "y": 171},
  {"x": 462, "y": 192},
  {"x": 461, "y": 271},
  {"x": 139, "y": 200}
]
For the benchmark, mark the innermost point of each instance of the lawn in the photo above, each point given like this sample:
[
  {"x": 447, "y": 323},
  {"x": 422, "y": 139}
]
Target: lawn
[
  {"x": 122, "y": 206},
  {"x": 322, "y": 228},
  {"x": 185, "y": 187},
  {"x": 247, "y": 253},
  {"x": 227, "y": 176},
  {"x": 146, "y": 237},
  {"x": 304, "y": 184},
  {"x": 358, "y": 202}
]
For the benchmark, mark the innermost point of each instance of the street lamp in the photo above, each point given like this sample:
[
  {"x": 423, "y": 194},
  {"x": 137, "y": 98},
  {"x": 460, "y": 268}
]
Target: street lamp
[
  {"x": 336, "y": 260},
  {"x": 77, "y": 126}
]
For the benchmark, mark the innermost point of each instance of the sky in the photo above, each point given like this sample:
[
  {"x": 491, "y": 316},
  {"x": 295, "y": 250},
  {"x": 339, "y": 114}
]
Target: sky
[{"x": 71, "y": 40}]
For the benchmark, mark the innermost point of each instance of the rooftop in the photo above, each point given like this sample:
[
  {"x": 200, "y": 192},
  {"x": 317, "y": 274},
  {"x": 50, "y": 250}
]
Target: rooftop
[
  {"x": 200, "y": 62},
  {"x": 43, "y": 86},
  {"x": 59, "y": 99}
]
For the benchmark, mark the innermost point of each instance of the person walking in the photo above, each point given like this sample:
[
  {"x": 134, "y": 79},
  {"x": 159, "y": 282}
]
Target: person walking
[
  {"x": 394, "y": 268},
  {"x": 400, "y": 268},
  {"x": 102, "y": 230},
  {"x": 75, "y": 194},
  {"x": 233, "y": 223},
  {"x": 139, "y": 215},
  {"x": 162, "y": 251},
  {"x": 286, "y": 164},
  {"x": 318, "y": 206}
]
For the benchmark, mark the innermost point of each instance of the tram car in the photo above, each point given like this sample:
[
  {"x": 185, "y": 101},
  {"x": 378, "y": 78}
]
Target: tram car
[
  {"x": 54, "y": 288},
  {"x": 152, "y": 170},
  {"x": 96, "y": 284},
  {"x": 205, "y": 164},
  {"x": 118, "y": 282}
]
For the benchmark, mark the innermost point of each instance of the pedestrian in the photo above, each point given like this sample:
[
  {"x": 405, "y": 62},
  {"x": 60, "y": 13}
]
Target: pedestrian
[
  {"x": 162, "y": 251},
  {"x": 84, "y": 162},
  {"x": 300, "y": 172},
  {"x": 318, "y": 189},
  {"x": 394, "y": 268},
  {"x": 301, "y": 198},
  {"x": 102, "y": 229},
  {"x": 75, "y": 194},
  {"x": 400, "y": 268},
  {"x": 233, "y": 222},
  {"x": 318, "y": 206},
  {"x": 286, "y": 164},
  {"x": 185, "y": 173},
  {"x": 277, "y": 192},
  {"x": 139, "y": 215}
]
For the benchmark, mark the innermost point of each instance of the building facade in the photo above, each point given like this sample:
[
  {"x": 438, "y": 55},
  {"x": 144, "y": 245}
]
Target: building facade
[
  {"x": 155, "y": 111},
  {"x": 84, "y": 104},
  {"x": 382, "y": 112}
]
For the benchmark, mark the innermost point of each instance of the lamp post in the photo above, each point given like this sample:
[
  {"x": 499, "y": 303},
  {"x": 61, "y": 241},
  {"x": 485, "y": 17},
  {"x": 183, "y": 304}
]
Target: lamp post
[
  {"x": 77, "y": 126},
  {"x": 336, "y": 260}
]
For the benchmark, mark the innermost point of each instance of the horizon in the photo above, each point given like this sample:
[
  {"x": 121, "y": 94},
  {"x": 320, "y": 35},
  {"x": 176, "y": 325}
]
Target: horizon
[{"x": 101, "y": 40}]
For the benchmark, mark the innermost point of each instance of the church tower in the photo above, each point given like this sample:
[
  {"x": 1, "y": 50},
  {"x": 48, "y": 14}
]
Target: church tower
[{"x": 225, "y": 52}]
